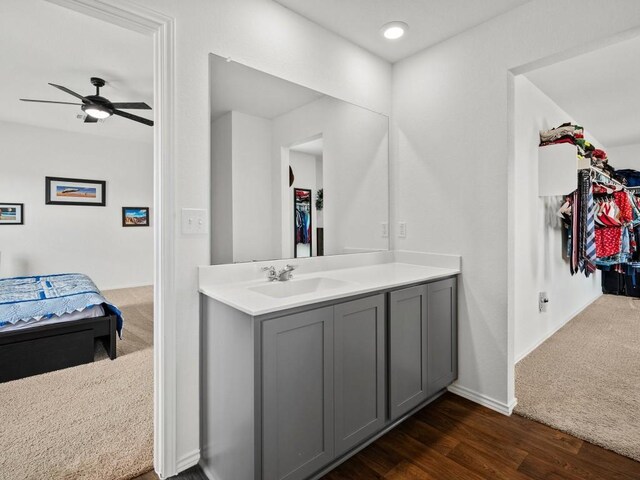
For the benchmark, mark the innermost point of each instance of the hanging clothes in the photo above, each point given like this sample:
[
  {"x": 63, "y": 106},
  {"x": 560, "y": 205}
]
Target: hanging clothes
[
  {"x": 601, "y": 218},
  {"x": 602, "y": 224}
]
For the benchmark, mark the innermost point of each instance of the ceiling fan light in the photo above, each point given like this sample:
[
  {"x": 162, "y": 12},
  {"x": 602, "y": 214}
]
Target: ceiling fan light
[{"x": 96, "y": 112}]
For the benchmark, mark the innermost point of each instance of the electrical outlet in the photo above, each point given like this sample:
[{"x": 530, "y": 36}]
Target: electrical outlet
[
  {"x": 543, "y": 301},
  {"x": 402, "y": 229},
  {"x": 384, "y": 229}
]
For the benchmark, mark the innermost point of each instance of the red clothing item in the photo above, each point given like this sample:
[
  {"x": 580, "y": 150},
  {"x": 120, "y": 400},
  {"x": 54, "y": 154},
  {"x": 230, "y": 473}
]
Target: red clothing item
[
  {"x": 608, "y": 241},
  {"x": 623, "y": 203},
  {"x": 599, "y": 154}
]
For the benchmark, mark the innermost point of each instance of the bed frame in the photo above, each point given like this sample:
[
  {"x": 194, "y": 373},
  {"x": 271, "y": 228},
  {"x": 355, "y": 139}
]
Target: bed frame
[{"x": 41, "y": 349}]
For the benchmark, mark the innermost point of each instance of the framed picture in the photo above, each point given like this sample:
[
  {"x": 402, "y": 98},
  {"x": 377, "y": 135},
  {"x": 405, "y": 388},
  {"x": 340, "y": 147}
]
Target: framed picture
[
  {"x": 75, "y": 191},
  {"x": 11, "y": 213},
  {"x": 135, "y": 216}
]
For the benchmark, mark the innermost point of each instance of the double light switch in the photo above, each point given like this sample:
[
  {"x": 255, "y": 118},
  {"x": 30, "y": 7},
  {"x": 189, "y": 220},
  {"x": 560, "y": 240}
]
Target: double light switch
[{"x": 194, "y": 221}]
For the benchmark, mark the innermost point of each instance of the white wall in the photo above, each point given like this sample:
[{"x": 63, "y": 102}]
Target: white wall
[
  {"x": 451, "y": 149},
  {"x": 539, "y": 264},
  {"x": 241, "y": 212},
  {"x": 251, "y": 165},
  {"x": 61, "y": 238},
  {"x": 221, "y": 190},
  {"x": 625, "y": 156},
  {"x": 266, "y": 36}
]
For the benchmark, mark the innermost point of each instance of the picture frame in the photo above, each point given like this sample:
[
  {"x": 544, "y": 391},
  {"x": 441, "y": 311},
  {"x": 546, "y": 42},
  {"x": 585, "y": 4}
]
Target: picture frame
[
  {"x": 11, "y": 213},
  {"x": 75, "y": 191},
  {"x": 135, "y": 216}
]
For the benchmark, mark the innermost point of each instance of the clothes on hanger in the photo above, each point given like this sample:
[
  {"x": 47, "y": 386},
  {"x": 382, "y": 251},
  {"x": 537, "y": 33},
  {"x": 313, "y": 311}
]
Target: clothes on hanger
[
  {"x": 303, "y": 224},
  {"x": 601, "y": 217},
  {"x": 603, "y": 223}
]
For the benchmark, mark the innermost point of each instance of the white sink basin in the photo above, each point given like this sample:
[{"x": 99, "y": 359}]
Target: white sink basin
[{"x": 295, "y": 287}]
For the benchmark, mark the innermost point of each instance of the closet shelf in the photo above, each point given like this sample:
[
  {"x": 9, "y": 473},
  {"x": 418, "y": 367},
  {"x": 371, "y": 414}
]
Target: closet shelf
[{"x": 558, "y": 167}]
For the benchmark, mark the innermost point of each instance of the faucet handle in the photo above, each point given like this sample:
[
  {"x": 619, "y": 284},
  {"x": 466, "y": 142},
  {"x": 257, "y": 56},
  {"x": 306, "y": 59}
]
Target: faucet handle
[{"x": 270, "y": 268}]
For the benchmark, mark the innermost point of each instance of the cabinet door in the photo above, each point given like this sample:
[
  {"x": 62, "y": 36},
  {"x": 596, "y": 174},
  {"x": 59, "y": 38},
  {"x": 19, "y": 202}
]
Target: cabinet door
[
  {"x": 359, "y": 356},
  {"x": 297, "y": 355},
  {"x": 408, "y": 379},
  {"x": 442, "y": 334}
]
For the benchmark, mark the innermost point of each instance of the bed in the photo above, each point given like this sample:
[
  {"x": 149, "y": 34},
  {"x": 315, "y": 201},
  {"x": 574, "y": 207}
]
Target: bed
[{"x": 50, "y": 322}]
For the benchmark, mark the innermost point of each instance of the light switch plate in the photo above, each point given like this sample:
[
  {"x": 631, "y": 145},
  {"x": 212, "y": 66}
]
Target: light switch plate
[
  {"x": 195, "y": 221},
  {"x": 384, "y": 229},
  {"x": 402, "y": 229}
]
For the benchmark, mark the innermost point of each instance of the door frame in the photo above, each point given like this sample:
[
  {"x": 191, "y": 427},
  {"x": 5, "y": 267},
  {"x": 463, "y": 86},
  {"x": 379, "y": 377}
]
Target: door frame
[
  {"x": 512, "y": 272},
  {"x": 162, "y": 30}
]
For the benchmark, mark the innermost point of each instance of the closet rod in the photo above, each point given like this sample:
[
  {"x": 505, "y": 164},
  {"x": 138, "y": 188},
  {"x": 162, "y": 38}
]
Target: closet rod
[{"x": 607, "y": 176}]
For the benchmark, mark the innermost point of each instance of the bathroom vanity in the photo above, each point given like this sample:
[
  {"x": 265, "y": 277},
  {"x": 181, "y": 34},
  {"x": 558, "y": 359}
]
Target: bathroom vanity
[{"x": 300, "y": 375}]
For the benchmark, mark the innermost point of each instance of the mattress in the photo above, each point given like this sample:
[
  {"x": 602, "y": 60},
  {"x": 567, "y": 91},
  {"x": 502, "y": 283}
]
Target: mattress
[
  {"x": 91, "y": 312},
  {"x": 23, "y": 299}
]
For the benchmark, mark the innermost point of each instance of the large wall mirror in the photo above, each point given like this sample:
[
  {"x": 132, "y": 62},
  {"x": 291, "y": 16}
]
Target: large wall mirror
[{"x": 295, "y": 173}]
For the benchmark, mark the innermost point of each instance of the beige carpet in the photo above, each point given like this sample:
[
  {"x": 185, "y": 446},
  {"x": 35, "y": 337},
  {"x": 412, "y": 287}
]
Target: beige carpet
[
  {"x": 92, "y": 422},
  {"x": 137, "y": 308},
  {"x": 585, "y": 379}
]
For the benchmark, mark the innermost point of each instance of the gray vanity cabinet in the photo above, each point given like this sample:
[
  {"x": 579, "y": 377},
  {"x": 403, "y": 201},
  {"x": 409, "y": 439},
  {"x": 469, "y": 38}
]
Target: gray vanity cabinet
[
  {"x": 359, "y": 364},
  {"x": 297, "y": 373},
  {"x": 323, "y": 376},
  {"x": 287, "y": 395},
  {"x": 423, "y": 352},
  {"x": 408, "y": 381},
  {"x": 442, "y": 334}
]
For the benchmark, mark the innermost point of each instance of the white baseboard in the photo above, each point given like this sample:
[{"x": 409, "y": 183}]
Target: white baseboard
[
  {"x": 187, "y": 461},
  {"x": 554, "y": 330},
  {"x": 484, "y": 400}
]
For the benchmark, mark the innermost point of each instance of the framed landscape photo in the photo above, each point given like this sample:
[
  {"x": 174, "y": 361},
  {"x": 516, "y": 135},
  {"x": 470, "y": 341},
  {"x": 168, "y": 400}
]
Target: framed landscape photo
[
  {"x": 11, "y": 213},
  {"x": 135, "y": 216},
  {"x": 75, "y": 191}
]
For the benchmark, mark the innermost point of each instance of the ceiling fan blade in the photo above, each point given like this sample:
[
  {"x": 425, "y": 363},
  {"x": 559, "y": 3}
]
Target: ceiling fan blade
[
  {"x": 135, "y": 118},
  {"x": 90, "y": 119},
  {"x": 132, "y": 105},
  {"x": 48, "y": 101},
  {"x": 71, "y": 92}
]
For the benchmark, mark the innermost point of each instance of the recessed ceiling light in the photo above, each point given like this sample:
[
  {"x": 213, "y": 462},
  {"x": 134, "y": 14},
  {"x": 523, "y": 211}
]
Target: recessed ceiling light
[{"x": 394, "y": 30}]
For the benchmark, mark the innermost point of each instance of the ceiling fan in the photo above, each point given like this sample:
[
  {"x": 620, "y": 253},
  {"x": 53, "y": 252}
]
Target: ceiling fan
[{"x": 97, "y": 107}]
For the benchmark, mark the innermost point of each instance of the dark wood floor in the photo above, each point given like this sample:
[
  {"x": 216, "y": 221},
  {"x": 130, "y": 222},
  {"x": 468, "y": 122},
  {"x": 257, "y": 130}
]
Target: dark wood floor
[
  {"x": 455, "y": 439},
  {"x": 194, "y": 473}
]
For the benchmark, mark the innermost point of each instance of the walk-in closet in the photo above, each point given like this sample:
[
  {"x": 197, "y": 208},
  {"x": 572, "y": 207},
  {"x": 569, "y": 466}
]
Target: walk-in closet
[{"x": 576, "y": 246}]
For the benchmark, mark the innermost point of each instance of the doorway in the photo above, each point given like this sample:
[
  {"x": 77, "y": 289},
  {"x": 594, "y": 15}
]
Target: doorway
[
  {"x": 161, "y": 29},
  {"x": 572, "y": 355}
]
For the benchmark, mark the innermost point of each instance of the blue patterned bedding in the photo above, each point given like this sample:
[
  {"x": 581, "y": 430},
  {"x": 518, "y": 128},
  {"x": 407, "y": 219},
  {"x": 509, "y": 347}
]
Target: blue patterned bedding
[{"x": 26, "y": 298}]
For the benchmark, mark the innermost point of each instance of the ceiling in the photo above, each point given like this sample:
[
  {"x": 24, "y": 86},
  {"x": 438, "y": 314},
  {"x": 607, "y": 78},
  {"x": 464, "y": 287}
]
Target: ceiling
[
  {"x": 244, "y": 89},
  {"x": 312, "y": 147},
  {"x": 42, "y": 42},
  {"x": 430, "y": 21},
  {"x": 599, "y": 90}
]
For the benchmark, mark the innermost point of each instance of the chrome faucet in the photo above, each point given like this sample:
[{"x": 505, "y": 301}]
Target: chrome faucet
[
  {"x": 280, "y": 276},
  {"x": 271, "y": 273},
  {"x": 285, "y": 274}
]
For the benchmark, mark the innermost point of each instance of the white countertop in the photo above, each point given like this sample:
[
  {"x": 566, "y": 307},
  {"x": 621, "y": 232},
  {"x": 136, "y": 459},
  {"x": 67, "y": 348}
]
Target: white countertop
[{"x": 342, "y": 283}]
